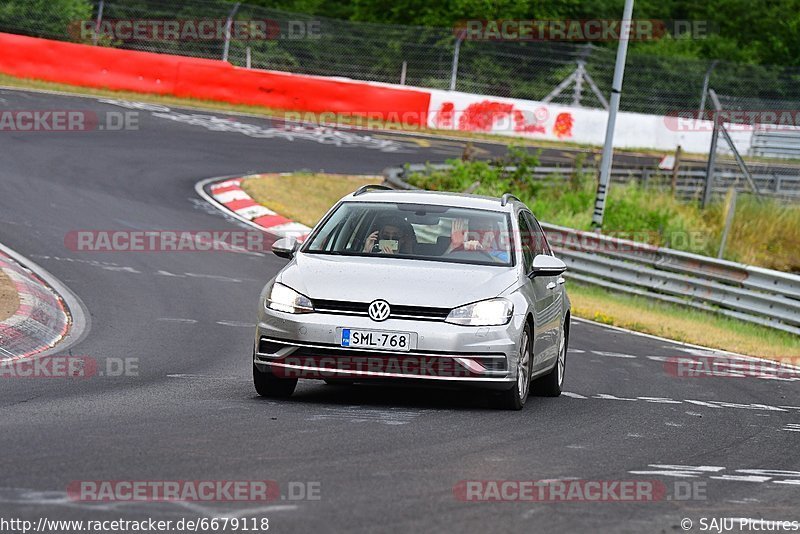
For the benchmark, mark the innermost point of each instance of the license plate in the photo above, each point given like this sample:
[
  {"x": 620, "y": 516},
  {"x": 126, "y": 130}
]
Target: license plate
[{"x": 376, "y": 339}]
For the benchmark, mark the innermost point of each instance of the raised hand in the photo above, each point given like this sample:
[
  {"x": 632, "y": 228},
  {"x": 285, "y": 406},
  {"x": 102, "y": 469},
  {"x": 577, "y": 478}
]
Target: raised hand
[{"x": 371, "y": 240}]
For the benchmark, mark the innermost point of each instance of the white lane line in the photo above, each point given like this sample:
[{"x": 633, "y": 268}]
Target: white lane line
[
  {"x": 236, "y": 323},
  {"x": 177, "y": 320},
  {"x": 665, "y": 400},
  {"x": 659, "y": 400},
  {"x": 213, "y": 277},
  {"x": 613, "y": 354},
  {"x": 792, "y": 427},
  {"x": 357, "y": 414}
]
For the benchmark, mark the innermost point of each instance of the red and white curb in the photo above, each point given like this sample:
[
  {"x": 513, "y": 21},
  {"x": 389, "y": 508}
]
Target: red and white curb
[
  {"x": 41, "y": 320},
  {"x": 229, "y": 196}
]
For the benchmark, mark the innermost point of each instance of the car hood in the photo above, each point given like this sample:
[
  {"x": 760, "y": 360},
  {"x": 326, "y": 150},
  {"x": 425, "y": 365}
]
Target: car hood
[{"x": 397, "y": 281}]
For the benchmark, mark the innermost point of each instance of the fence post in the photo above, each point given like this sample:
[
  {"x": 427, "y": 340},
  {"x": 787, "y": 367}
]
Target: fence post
[
  {"x": 728, "y": 222},
  {"x": 675, "y": 169},
  {"x": 98, "y": 21},
  {"x": 705, "y": 88},
  {"x": 454, "y": 72},
  {"x": 616, "y": 92},
  {"x": 403, "y": 73},
  {"x": 712, "y": 159},
  {"x": 249, "y": 58},
  {"x": 228, "y": 23}
]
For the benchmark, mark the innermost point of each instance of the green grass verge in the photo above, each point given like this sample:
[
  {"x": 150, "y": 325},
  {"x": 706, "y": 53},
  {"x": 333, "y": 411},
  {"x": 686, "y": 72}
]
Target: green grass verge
[
  {"x": 316, "y": 193},
  {"x": 320, "y": 191},
  {"x": 680, "y": 323}
]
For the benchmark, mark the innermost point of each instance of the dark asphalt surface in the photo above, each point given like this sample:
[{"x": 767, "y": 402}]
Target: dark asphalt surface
[{"x": 386, "y": 459}]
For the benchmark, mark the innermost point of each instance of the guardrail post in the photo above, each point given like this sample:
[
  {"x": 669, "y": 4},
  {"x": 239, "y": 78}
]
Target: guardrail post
[{"x": 712, "y": 159}]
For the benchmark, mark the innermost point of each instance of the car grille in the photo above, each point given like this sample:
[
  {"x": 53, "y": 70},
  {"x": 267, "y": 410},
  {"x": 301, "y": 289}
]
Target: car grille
[{"x": 418, "y": 313}]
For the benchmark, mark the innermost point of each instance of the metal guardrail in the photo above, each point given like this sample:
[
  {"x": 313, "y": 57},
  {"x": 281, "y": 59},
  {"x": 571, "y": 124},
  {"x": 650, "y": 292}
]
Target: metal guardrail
[
  {"x": 753, "y": 294},
  {"x": 689, "y": 181},
  {"x": 776, "y": 144}
]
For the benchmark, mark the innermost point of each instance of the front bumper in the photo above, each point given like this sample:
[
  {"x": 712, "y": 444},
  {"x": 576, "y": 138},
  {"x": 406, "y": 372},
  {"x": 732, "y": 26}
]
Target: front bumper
[{"x": 309, "y": 346}]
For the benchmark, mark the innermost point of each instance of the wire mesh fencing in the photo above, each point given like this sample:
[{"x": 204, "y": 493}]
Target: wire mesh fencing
[{"x": 418, "y": 56}]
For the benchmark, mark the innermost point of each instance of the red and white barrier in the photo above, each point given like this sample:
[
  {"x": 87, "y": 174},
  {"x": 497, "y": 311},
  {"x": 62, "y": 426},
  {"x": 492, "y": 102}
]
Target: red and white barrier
[{"x": 207, "y": 79}]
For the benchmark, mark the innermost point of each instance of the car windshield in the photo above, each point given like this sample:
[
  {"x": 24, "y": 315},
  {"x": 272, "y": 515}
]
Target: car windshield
[{"x": 415, "y": 231}]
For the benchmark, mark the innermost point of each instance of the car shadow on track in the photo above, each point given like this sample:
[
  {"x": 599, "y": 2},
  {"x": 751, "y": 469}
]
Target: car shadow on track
[{"x": 393, "y": 396}]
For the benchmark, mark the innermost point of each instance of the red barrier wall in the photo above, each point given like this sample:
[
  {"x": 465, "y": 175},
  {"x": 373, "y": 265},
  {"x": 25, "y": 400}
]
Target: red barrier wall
[{"x": 207, "y": 79}]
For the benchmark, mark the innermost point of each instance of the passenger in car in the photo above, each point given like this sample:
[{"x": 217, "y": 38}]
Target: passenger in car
[{"x": 393, "y": 235}]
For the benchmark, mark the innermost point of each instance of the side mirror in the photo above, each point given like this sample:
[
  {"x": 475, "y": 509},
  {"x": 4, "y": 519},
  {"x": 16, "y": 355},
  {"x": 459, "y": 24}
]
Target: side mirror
[
  {"x": 544, "y": 265},
  {"x": 285, "y": 247}
]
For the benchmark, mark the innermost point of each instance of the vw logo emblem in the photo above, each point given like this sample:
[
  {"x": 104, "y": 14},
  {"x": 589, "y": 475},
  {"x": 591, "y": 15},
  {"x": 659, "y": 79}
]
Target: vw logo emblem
[{"x": 379, "y": 310}]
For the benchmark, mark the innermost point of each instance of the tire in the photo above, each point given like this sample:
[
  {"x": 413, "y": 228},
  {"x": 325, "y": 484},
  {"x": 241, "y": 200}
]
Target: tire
[
  {"x": 550, "y": 384},
  {"x": 269, "y": 385},
  {"x": 514, "y": 398}
]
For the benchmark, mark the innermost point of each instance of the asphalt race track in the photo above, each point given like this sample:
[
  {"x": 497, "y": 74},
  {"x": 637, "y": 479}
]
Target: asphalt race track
[{"x": 385, "y": 459}]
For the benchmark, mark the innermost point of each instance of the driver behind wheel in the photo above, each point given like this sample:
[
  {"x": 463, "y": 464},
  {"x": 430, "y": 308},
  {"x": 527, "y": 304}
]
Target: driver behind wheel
[{"x": 484, "y": 238}]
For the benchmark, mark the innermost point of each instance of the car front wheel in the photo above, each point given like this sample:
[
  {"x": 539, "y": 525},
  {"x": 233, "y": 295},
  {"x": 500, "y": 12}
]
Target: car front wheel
[
  {"x": 269, "y": 385},
  {"x": 514, "y": 398}
]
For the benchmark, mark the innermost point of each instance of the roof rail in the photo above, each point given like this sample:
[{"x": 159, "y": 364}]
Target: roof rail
[
  {"x": 507, "y": 197},
  {"x": 365, "y": 188}
]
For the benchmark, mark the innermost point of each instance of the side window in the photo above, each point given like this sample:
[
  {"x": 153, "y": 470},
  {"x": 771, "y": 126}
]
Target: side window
[
  {"x": 526, "y": 237},
  {"x": 540, "y": 245}
]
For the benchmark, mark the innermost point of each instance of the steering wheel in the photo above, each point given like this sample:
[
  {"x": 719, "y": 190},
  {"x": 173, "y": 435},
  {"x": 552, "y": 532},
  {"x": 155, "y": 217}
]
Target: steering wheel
[{"x": 461, "y": 249}]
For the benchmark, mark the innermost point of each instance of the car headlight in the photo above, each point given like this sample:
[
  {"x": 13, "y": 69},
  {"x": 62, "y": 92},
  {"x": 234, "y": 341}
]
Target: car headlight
[
  {"x": 484, "y": 313},
  {"x": 286, "y": 299}
]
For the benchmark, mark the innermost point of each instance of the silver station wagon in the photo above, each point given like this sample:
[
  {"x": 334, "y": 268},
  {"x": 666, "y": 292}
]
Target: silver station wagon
[{"x": 417, "y": 286}]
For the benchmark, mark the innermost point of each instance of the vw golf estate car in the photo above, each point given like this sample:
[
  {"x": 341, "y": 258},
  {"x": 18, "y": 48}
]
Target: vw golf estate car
[{"x": 417, "y": 286}]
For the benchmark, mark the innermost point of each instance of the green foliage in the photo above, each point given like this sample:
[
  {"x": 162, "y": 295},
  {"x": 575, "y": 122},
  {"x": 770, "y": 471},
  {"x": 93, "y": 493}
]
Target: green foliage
[
  {"x": 738, "y": 30},
  {"x": 51, "y": 18}
]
